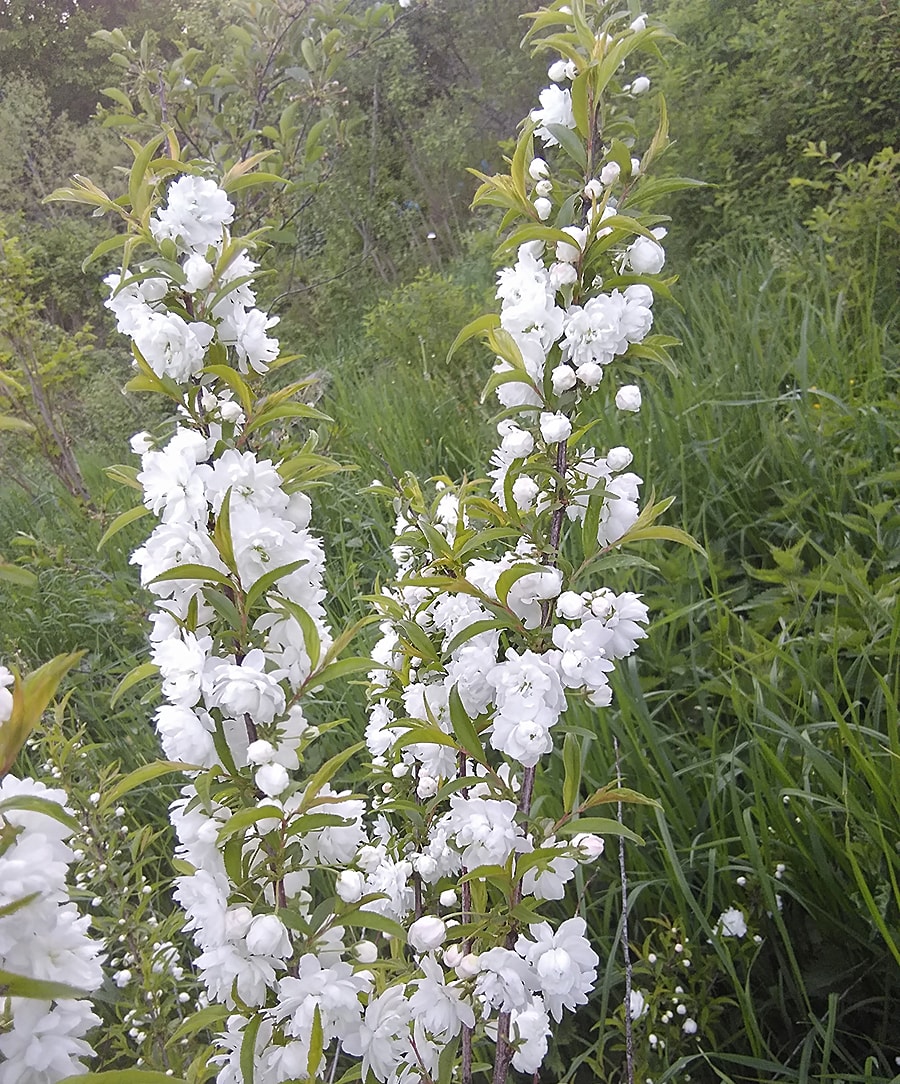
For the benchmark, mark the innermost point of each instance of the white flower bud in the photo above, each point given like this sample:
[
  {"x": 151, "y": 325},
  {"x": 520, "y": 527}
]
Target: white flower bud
[
  {"x": 543, "y": 207},
  {"x": 610, "y": 173},
  {"x": 590, "y": 374},
  {"x": 427, "y": 933},
  {"x": 543, "y": 188},
  {"x": 557, "y": 71},
  {"x": 272, "y": 779},
  {"x": 267, "y": 936},
  {"x": 640, "y": 23},
  {"x": 469, "y": 966},
  {"x": 260, "y": 752},
  {"x": 453, "y": 956},
  {"x": 448, "y": 898},
  {"x": 538, "y": 168},
  {"x": 562, "y": 274},
  {"x": 571, "y": 253},
  {"x": 525, "y": 491},
  {"x": 570, "y": 606},
  {"x": 591, "y": 846},
  {"x": 562, "y": 378},
  {"x": 237, "y": 920},
  {"x": 555, "y": 427},
  {"x": 366, "y": 952},
  {"x": 427, "y": 787},
  {"x": 618, "y": 458},
  {"x": 593, "y": 189},
  {"x": 350, "y": 885},
  {"x": 230, "y": 411},
  {"x": 629, "y": 398},
  {"x": 641, "y": 85},
  {"x": 689, "y": 1027},
  {"x": 571, "y": 70}
]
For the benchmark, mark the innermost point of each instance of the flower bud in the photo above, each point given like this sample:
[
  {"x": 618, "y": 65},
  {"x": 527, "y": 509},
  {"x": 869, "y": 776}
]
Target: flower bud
[
  {"x": 448, "y": 898},
  {"x": 590, "y": 374},
  {"x": 610, "y": 173},
  {"x": 563, "y": 378},
  {"x": 570, "y": 606},
  {"x": 555, "y": 427},
  {"x": 427, "y": 933},
  {"x": 260, "y": 752},
  {"x": 641, "y": 85},
  {"x": 618, "y": 458},
  {"x": 593, "y": 189},
  {"x": 267, "y": 937},
  {"x": 524, "y": 491},
  {"x": 366, "y": 952},
  {"x": 350, "y": 884},
  {"x": 272, "y": 779},
  {"x": 538, "y": 168},
  {"x": 591, "y": 846},
  {"x": 557, "y": 71},
  {"x": 543, "y": 188},
  {"x": 469, "y": 966},
  {"x": 543, "y": 207},
  {"x": 629, "y": 398}
]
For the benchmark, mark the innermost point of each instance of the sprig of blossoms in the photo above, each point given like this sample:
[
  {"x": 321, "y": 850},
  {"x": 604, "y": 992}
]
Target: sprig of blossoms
[
  {"x": 240, "y": 639},
  {"x": 45, "y": 943},
  {"x": 496, "y": 623}
]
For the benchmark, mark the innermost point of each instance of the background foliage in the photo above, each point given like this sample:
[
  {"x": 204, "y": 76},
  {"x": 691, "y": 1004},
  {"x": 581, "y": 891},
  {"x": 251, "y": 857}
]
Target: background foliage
[{"x": 763, "y": 711}]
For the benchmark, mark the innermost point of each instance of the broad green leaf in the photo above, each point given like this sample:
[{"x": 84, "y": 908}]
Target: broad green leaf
[
  {"x": 19, "y": 577},
  {"x": 478, "y": 327},
  {"x": 506, "y": 580},
  {"x": 31, "y": 803},
  {"x": 340, "y": 669},
  {"x": 598, "y": 826},
  {"x": 245, "y": 818},
  {"x": 205, "y": 573}
]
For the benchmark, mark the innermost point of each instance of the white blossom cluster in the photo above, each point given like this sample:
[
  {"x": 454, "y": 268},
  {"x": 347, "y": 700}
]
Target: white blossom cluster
[
  {"x": 233, "y": 671},
  {"x": 480, "y": 656},
  {"x": 42, "y": 934}
]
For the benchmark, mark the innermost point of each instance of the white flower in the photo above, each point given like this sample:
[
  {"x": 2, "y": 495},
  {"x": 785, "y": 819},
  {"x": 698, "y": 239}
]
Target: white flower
[
  {"x": 557, "y": 71},
  {"x": 529, "y": 1029},
  {"x": 6, "y": 698},
  {"x": 563, "y": 378},
  {"x": 555, "y": 427},
  {"x": 267, "y": 936},
  {"x": 195, "y": 215},
  {"x": 641, "y": 85},
  {"x": 427, "y": 933},
  {"x": 731, "y": 923},
  {"x": 646, "y": 256},
  {"x": 565, "y": 963},
  {"x": 556, "y": 108},
  {"x": 350, "y": 885},
  {"x": 629, "y": 398},
  {"x": 637, "y": 1005},
  {"x": 571, "y": 253},
  {"x": 689, "y": 1027}
]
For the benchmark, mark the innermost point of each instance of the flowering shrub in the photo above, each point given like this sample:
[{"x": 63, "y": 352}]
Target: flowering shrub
[
  {"x": 49, "y": 964},
  {"x": 497, "y": 619}
]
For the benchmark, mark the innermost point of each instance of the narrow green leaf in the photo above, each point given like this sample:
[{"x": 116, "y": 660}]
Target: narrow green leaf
[
  {"x": 31, "y": 803},
  {"x": 599, "y": 826},
  {"x": 316, "y": 1045},
  {"x": 12, "y": 985},
  {"x": 245, "y": 818},
  {"x": 122, "y": 521},
  {"x": 145, "y": 774},
  {"x": 572, "y": 765},
  {"x": 464, "y": 728},
  {"x": 326, "y": 773}
]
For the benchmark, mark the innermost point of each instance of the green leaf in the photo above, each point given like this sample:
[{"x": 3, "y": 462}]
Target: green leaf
[
  {"x": 662, "y": 534},
  {"x": 199, "y": 1021},
  {"x": 570, "y": 143},
  {"x": 263, "y": 584},
  {"x": 572, "y": 765},
  {"x": 340, "y": 669},
  {"x": 145, "y": 774},
  {"x": 14, "y": 425},
  {"x": 248, "y": 1048},
  {"x": 235, "y": 381},
  {"x": 245, "y": 818},
  {"x": 599, "y": 826},
  {"x": 316, "y": 1045},
  {"x": 132, "y": 678},
  {"x": 311, "y": 639},
  {"x": 192, "y": 572},
  {"x": 31, "y": 803},
  {"x": 12, "y": 985},
  {"x": 487, "y": 624},
  {"x": 480, "y": 326},
  {"x": 19, "y": 577},
  {"x": 122, "y": 521},
  {"x": 506, "y": 580},
  {"x": 326, "y": 773},
  {"x": 371, "y": 920},
  {"x": 464, "y": 728}
]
